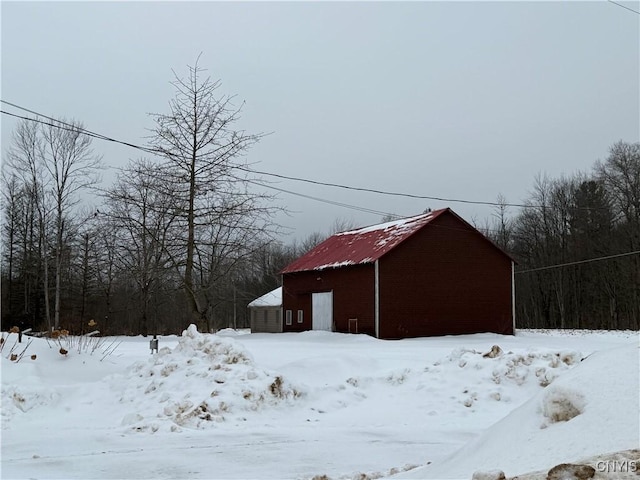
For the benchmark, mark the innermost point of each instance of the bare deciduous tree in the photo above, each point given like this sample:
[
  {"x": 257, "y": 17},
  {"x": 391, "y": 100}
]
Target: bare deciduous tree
[
  {"x": 13, "y": 218},
  {"x": 620, "y": 173},
  {"x": 54, "y": 163},
  {"x": 25, "y": 159},
  {"x": 72, "y": 167},
  {"x": 503, "y": 225},
  {"x": 202, "y": 145},
  {"x": 142, "y": 214}
]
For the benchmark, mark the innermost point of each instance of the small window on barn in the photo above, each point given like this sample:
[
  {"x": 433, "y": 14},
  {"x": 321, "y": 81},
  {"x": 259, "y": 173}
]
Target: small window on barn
[
  {"x": 265, "y": 315},
  {"x": 300, "y": 316},
  {"x": 289, "y": 315}
]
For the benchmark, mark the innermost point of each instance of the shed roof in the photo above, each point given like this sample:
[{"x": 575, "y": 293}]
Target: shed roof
[
  {"x": 361, "y": 246},
  {"x": 271, "y": 299}
]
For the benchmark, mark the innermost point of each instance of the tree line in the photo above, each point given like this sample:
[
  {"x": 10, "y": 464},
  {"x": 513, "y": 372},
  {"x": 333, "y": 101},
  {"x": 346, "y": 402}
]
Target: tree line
[
  {"x": 178, "y": 238},
  {"x": 577, "y": 245},
  {"x": 183, "y": 236}
]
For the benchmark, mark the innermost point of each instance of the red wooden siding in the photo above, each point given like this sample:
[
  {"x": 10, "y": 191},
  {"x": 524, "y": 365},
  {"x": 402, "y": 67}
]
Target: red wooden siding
[
  {"x": 353, "y": 296},
  {"x": 446, "y": 279}
]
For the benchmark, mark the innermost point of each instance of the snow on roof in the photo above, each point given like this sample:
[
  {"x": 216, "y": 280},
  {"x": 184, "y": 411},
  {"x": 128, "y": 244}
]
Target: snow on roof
[
  {"x": 271, "y": 299},
  {"x": 360, "y": 246}
]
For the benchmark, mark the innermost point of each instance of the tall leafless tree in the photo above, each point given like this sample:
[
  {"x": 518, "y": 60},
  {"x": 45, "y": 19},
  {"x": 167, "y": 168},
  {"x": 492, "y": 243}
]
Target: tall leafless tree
[
  {"x": 202, "y": 145},
  {"x": 55, "y": 163},
  {"x": 502, "y": 226},
  {"x": 72, "y": 167},
  {"x": 26, "y": 158}
]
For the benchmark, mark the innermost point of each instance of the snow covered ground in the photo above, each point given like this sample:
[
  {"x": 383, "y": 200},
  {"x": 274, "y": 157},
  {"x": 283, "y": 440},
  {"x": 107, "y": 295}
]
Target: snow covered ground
[{"x": 296, "y": 406}]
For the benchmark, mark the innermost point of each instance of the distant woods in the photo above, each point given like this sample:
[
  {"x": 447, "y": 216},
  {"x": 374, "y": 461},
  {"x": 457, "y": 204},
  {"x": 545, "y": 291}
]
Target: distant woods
[
  {"x": 586, "y": 229},
  {"x": 180, "y": 237}
]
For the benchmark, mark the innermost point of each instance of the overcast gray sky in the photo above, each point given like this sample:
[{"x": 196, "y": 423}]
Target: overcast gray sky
[{"x": 448, "y": 99}]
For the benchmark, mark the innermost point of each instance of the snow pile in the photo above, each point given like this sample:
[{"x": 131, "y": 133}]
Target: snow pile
[
  {"x": 589, "y": 410},
  {"x": 205, "y": 379},
  {"x": 474, "y": 387},
  {"x": 485, "y": 374}
]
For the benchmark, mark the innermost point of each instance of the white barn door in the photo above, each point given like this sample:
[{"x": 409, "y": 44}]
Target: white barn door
[{"x": 322, "y": 311}]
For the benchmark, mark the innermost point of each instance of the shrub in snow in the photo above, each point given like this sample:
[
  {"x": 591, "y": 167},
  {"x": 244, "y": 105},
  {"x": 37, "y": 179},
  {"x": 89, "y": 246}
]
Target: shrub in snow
[{"x": 88, "y": 343}]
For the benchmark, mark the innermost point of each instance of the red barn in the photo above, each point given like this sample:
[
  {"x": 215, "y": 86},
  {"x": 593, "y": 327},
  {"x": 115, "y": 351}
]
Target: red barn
[{"x": 432, "y": 274}]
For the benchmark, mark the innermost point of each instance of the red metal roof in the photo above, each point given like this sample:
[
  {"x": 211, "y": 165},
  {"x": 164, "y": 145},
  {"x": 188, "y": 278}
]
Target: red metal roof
[{"x": 364, "y": 245}]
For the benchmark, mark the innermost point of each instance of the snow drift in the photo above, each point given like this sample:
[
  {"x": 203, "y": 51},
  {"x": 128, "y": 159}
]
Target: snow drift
[{"x": 591, "y": 408}]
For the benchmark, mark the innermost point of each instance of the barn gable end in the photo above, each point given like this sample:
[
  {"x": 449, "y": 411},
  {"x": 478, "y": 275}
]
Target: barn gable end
[{"x": 446, "y": 279}]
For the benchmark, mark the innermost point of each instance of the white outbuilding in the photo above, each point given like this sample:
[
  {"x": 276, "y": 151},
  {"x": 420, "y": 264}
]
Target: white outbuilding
[{"x": 266, "y": 312}]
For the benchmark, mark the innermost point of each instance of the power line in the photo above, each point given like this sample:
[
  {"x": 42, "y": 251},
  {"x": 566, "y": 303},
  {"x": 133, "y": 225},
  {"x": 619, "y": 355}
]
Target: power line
[
  {"x": 590, "y": 260},
  {"x": 330, "y": 202},
  {"x": 484, "y": 231},
  {"x": 285, "y": 177},
  {"x": 384, "y": 192},
  {"x": 75, "y": 128},
  {"x": 60, "y": 126},
  {"x": 624, "y": 6},
  {"x": 56, "y": 123}
]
